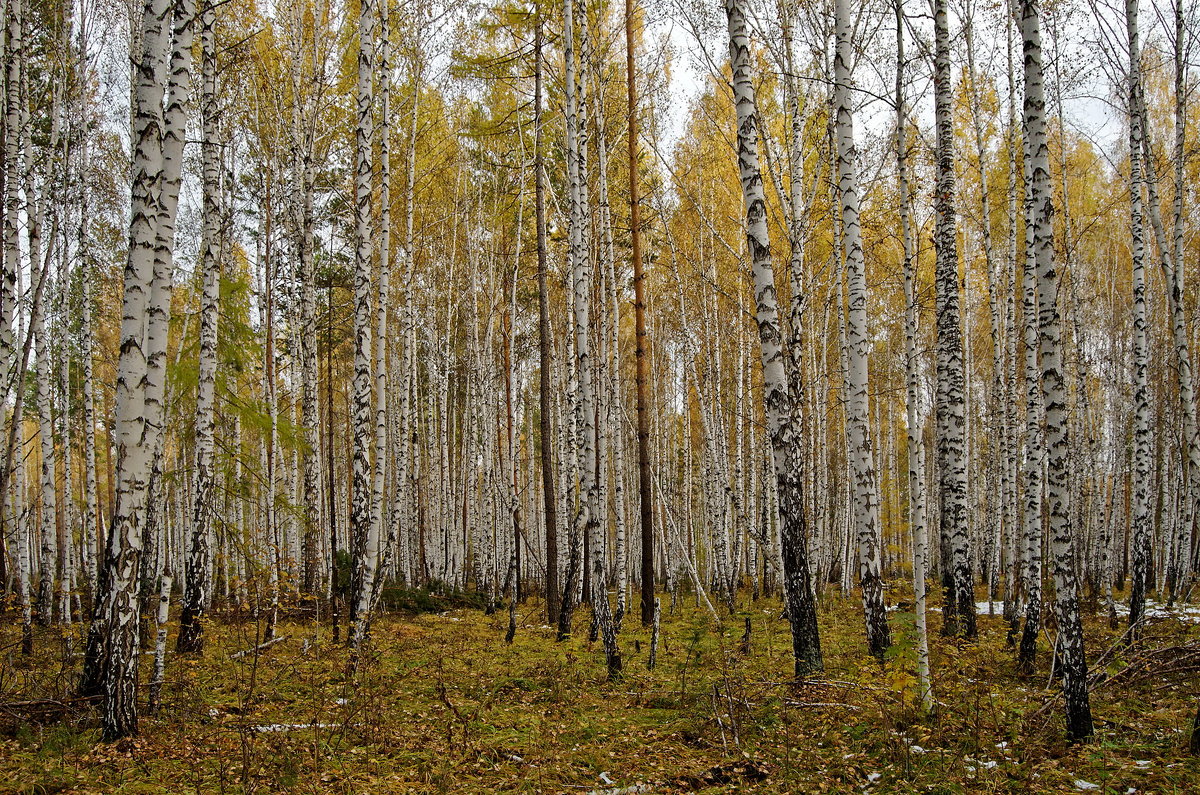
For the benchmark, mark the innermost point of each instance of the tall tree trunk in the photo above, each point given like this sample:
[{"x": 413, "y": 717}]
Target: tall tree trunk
[
  {"x": 1035, "y": 450},
  {"x": 589, "y": 512},
  {"x": 549, "y": 495},
  {"x": 916, "y": 492},
  {"x": 1142, "y": 520},
  {"x": 858, "y": 430},
  {"x": 958, "y": 611},
  {"x": 196, "y": 575},
  {"x": 641, "y": 338},
  {"x": 110, "y": 664},
  {"x": 302, "y": 139},
  {"x": 576, "y": 255},
  {"x": 363, "y": 530},
  {"x": 777, "y": 395},
  {"x": 1073, "y": 664},
  {"x": 1187, "y": 393},
  {"x": 381, "y": 309}
]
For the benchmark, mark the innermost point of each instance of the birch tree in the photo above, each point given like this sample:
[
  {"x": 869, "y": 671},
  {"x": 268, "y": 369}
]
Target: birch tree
[
  {"x": 363, "y": 528},
  {"x": 110, "y": 664},
  {"x": 1072, "y": 662},
  {"x": 1142, "y": 521},
  {"x": 858, "y": 431},
  {"x": 777, "y": 395},
  {"x": 196, "y": 571},
  {"x": 958, "y": 612},
  {"x": 916, "y": 492}
]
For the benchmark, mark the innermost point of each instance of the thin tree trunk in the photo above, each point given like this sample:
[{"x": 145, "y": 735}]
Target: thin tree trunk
[
  {"x": 196, "y": 576},
  {"x": 549, "y": 495},
  {"x": 641, "y": 356},
  {"x": 916, "y": 494},
  {"x": 362, "y": 526}
]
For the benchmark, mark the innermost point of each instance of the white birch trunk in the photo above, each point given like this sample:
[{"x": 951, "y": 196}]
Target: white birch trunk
[
  {"x": 916, "y": 492},
  {"x": 858, "y": 430},
  {"x": 196, "y": 571},
  {"x": 958, "y": 610},
  {"x": 363, "y": 529},
  {"x": 777, "y": 394},
  {"x": 1072, "y": 663}
]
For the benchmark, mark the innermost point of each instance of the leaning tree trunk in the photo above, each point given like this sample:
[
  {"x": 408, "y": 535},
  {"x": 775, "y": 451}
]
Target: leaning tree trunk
[
  {"x": 858, "y": 429},
  {"x": 1072, "y": 663},
  {"x": 959, "y": 609},
  {"x": 196, "y": 574},
  {"x": 777, "y": 396}
]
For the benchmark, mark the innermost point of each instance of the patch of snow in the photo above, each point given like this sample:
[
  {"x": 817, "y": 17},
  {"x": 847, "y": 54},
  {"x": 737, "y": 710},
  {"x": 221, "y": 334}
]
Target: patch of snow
[
  {"x": 284, "y": 727},
  {"x": 1189, "y": 613},
  {"x": 1143, "y": 763},
  {"x": 916, "y": 749},
  {"x": 1084, "y": 786},
  {"x": 873, "y": 777},
  {"x": 605, "y": 780}
]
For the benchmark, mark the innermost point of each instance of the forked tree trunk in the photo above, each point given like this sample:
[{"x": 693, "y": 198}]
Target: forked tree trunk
[{"x": 110, "y": 664}]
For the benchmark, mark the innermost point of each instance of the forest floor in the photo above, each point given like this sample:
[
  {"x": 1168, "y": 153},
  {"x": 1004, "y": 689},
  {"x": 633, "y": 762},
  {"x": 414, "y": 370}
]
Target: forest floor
[{"x": 440, "y": 703}]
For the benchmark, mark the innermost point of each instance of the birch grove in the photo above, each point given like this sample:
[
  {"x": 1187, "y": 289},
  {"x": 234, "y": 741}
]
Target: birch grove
[{"x": 315, "y": 318}]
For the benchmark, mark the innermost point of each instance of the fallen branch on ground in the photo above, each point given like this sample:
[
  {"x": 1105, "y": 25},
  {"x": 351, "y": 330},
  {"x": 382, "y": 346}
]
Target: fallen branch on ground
[{"x": 259, "y": 647}]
